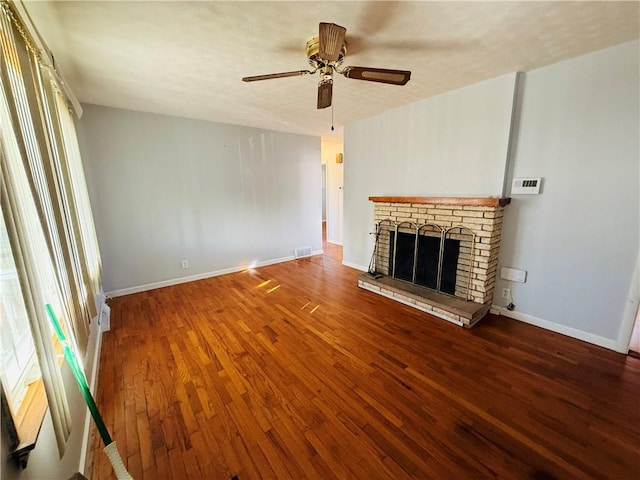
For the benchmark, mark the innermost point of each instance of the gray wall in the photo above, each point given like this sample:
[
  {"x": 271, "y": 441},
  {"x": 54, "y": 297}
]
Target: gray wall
[
  {"x": 166, "y": 189},
  {"x": 452, "y": 144},
  {"x": 576, "y": 126},
  {"x": 579, "y": 129}
]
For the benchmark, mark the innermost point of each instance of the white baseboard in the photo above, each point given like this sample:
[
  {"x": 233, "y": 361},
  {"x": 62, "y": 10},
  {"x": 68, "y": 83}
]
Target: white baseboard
[
  {"x": 556, "y": 327},
  {"x": 356, "y": 266},
  {"x": 199, "y": 276},
  {"x": 334, "y": 242}
]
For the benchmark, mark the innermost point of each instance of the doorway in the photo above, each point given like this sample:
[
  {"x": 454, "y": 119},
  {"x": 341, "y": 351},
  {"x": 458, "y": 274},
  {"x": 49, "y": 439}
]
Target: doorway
[
  {"x": 324, "y": 202},
  {"x": 332, "y": 157}
]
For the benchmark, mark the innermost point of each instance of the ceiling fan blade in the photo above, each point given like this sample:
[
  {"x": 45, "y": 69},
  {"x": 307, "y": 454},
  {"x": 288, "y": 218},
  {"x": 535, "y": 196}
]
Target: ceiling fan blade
[
  {"x": 297, "y": 73},
  {"x": 382, "y": 75},
  {"x": 325, "y": 93},
  {"x": 331, "y": 39}
]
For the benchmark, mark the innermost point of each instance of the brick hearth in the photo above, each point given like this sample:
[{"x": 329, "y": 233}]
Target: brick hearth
[{"x": 483, "y": 216}]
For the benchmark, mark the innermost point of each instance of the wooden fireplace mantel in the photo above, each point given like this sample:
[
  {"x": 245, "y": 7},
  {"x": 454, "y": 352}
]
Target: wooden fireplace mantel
[{"x": 468, "y": 201}]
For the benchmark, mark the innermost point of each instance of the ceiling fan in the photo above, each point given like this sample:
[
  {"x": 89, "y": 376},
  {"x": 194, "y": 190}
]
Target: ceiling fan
[{"x": 326, "y": 53}]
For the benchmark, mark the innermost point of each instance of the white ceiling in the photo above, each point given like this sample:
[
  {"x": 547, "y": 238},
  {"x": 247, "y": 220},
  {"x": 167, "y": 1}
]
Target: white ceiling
[{"x": 187, "y": 58}]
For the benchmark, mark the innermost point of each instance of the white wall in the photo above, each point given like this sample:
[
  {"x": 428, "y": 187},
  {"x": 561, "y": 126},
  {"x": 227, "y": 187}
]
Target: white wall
[
  {"x": 578, "y": 240},
  {"x": 452, "y": 144},
  {"x": 331, "y": 146},
  {"x": 164, "y": 189}
]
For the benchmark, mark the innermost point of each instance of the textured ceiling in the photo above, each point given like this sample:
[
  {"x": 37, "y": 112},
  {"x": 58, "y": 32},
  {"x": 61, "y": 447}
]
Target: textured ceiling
[{"x": 187, "y": 58}]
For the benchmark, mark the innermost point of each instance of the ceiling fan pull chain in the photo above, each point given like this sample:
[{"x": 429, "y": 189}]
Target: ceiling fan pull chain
[{"x": 332, "y": 117}]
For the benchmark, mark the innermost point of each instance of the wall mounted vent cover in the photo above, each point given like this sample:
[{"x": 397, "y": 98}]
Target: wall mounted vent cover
[
  {"x": 302, "y": 252},
  {"x": 104, "y": 317},
  {"x": 526, "y": 186}
]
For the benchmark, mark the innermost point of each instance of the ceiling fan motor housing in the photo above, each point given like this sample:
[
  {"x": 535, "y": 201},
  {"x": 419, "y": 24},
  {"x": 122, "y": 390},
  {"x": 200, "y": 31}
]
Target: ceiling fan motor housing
[{"x": 313, "y": 49}]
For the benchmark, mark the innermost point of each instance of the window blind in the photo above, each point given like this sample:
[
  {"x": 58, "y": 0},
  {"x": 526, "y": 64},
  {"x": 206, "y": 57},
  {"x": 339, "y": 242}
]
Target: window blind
[{"x": 45, "y": 204}]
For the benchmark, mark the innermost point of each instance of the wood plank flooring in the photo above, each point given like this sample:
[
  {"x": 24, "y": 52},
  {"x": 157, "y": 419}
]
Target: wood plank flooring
[{"x": 291, "y": 372}]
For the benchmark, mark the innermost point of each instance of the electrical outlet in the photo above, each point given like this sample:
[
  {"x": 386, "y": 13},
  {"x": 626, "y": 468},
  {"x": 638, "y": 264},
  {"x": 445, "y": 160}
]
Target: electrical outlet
[
  {"x": 506, "y": 293},
  {"x": 185, "y": 263}
]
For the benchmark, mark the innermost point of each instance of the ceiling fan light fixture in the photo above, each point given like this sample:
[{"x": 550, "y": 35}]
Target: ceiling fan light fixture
[{"x": 326, "y": 73}]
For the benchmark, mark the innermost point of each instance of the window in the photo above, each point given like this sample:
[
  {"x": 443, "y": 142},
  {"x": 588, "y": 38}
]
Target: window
[
  {"x": 18, "y": 355},
  {"x": 49, "y": 253},
  {"x": 22, "y": 381},
  {"x": 21, "y": 377}
]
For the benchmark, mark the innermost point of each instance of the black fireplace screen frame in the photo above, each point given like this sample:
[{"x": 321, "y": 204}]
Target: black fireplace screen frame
[{"x": 385, "y": 262}]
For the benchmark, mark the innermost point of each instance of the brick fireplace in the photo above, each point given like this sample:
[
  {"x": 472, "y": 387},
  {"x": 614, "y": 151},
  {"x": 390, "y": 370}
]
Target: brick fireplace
[{"x": 437, "y": 254}]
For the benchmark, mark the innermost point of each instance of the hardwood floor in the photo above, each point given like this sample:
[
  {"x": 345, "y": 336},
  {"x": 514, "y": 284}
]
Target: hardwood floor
[{"x": 291, "y": 371}]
